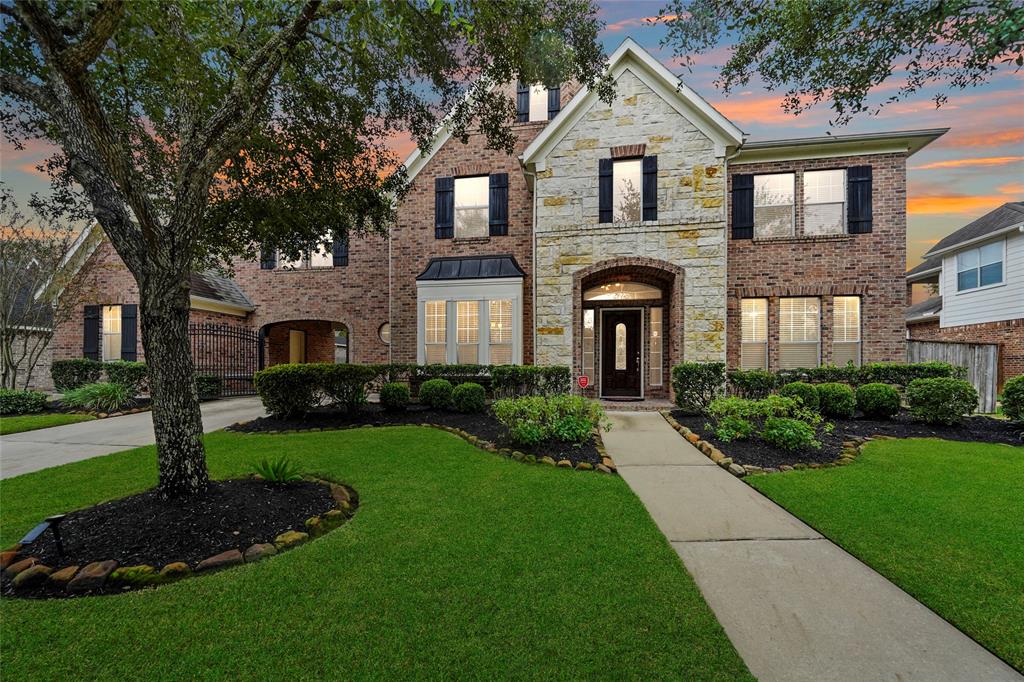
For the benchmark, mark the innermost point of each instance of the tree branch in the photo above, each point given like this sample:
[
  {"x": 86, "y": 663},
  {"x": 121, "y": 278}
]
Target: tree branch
[
  {"x": 79, "y": 56},
  {"x": 35, "y": 95}
]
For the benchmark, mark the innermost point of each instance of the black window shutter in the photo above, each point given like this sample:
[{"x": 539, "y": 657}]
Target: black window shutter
[
  {"x": 444, "y": 208},
  {"x": 604, "y": 190},
  {"x": 129, "y": 332},
  {"x": 268, "y": 259},
  {"x": 498, "y": 205},
  {"x": 650, "y": 188},
  {"x": 554, "y": 101},
  {"x": 858, "y": 180},
  {"x": 743, "y": 207},
  {"x": 339, "y": 252},
  {"x": 522, "y": 102},
  {"x": 91, "y": 333}
]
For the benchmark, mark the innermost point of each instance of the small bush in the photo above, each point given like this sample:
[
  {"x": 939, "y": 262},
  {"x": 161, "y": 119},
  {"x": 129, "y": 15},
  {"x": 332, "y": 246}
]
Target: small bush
[
  {"x": 70, "y": 374},
  {"x": 878, "y": 401},
  {"x": 753, "y": 383},
  {"x": 755, "y": 410},
  {"x": 1012, "y": 399},
  {"x": 789, "y": 434},
  {"x": 100, "y": 397},
  {"x": 436, "y": 393},
  {"x": 732, "y": 428},
  {"x": 345, "y": 385},
  {"x": 394, "y": 397},
  {"x": 21, "y": 402},
  {"x": 209, "y": 386},
  {"x": 568, "y": 418},
  {"x": 941, "y": 400},
  {"x": 279, "y": 471},
  {"x": 129, "y": 374},
  {"x": 469, "y": 398},
  {"x": 696, "y": 384},
  {"x": 836, "y": 400},
  {"x": 525, "y": 418},
  {"x": 289, "y": 390},
  {"x": 806, "y": 393},
  {"x": 513, "y": 381}
]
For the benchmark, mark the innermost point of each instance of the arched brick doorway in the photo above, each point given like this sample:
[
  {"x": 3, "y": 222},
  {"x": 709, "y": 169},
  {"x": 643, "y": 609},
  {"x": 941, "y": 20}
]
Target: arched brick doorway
[
  {"x": 628, "y": 322},
  {"x": 306, "y": 341}
]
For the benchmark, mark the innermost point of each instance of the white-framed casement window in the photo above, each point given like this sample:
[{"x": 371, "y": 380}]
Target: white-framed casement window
[
  {"x": 471, "y": 206},
  {"x": 846, "y": 330},
  {"x": 468, "y": 332},
  {"x": 773, "y": 205},
  {"x": 435, "y": 333},
  {"x": 657, "y": 345},
  {"x": 538, "y": 103},
  {"x": 500, "y": 337},
  {"x": 980, "y": 267},
  {"x": 627, "y": 179},
  {"x": 799, "y": 332},
  {"x": 111, "y": 333},
  {"x": 825, "y": 202},
  {"x": 754, "y": 333},
  {"x": 588, "y": 344}
]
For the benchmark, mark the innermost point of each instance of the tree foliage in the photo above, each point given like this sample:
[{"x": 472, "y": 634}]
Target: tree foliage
[{"x": 839, "y": 50}]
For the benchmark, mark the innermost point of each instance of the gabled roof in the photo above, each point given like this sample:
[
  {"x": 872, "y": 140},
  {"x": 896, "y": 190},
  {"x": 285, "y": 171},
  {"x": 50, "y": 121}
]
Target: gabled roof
[
  {"x": 471, "y": 267},
  {"x": 904, "y": 141},
  {"x": 1006, "y": 218},
  {"x": 630, "y": 56},
  {"x": 923, "y": 311},
  {"x": 926, "y": 270},
  {"x": 210, "y": 286}
]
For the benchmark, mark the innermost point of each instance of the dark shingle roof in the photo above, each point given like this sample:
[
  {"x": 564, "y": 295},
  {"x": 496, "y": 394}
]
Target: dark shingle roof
[
  {"x": 924, "y": 310},
  {"x": 925, "y": 266},
  {"x": 471, "y": 267},
  {"x": 209, "y": 284},
  {"x": 1007, "y": 215}
]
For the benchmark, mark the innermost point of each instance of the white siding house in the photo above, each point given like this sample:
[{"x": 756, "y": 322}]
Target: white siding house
[{"x": 964, "y": 304}]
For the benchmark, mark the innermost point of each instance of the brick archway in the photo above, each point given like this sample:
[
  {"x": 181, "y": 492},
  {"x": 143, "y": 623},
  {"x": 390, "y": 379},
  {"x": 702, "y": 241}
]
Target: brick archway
[{"x": 318, "y": 334}]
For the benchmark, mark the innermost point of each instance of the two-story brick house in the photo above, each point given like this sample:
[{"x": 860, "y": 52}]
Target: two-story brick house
[{"x": 619, "y": 238}]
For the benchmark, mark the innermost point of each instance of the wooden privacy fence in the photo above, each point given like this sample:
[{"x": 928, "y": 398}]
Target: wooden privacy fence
[{"x": 980, "y": 359}]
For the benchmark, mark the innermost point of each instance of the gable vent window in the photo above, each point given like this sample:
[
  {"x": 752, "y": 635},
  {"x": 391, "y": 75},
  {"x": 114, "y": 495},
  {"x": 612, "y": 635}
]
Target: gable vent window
[
  {"x": 799, "y": 332},
  {"x": 846, "y": 330},
  {"x": 754, "y": 333},
  {"x": 773, "y": 205},
  {"x": 825, "y": 202}
]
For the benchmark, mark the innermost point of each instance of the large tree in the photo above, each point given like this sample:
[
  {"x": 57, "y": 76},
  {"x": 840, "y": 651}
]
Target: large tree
[
  {"x": 839, "y": 50},
  {"x": 197, "y": 130}
]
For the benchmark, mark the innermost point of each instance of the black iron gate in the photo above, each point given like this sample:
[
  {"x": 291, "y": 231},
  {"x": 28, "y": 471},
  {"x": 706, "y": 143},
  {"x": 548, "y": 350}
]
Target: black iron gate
[{"x": 228, "y": 352}]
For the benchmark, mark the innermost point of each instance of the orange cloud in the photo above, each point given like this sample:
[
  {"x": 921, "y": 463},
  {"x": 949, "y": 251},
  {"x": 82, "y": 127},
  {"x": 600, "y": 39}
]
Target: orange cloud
[
  {"x": 623, "y": 24},
  {"x": 981, "y": 161},
  {"x": 765, "y": 109},
  {"x": 932, "y": 204},
  {"x": 987, "y": 138},
  {"x": 1015, "y": 188}
]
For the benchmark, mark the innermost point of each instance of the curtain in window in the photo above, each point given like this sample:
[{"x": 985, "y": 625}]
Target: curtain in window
[{"x": 799, "y": 332}]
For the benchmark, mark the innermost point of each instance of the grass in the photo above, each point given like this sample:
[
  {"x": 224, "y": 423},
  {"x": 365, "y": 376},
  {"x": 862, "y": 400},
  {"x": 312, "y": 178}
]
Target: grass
[
  {"x": 459, "y": 564},
  {"x": 31, "y": 422},
  {"x": 941, "y": 519}
]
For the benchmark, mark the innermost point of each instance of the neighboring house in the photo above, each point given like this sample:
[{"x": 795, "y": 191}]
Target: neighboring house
[
  {"x": 619, "y": 239},
  {"x": 979, "y": 274},
  {"x": 30, "y": 324}
]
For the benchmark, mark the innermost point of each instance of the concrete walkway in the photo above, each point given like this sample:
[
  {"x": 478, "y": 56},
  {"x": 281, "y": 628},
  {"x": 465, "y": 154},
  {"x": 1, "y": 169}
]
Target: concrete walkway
[
  {"x": 21, "y": 453},
  {"x": 796, "y": 606}
]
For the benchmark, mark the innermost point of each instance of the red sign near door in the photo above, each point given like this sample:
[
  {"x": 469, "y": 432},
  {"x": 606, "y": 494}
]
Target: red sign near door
[{"x": 583, "y": 380}]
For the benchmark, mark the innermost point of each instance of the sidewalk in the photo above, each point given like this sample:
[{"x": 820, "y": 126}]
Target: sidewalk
[
  {"x": 796, "y": 606},
  {"x": 21, "y": 453}
]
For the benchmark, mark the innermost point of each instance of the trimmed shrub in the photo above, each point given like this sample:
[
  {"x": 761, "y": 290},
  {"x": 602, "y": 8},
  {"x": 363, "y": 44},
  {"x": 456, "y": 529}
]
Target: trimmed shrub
[
  {"x": 508, "y": 381},
  {"x": 878, "y": 401},
  {"x": 99, "y": 397},
  {"x": 836, "y": 400},
  {"x": 129, "y": 374},
  {"x": 468, "y": 398},
  {"x": 826, "y": 374},
  {"x": 567, "y": 418},
  {"x": 1012, "y": 399},
  {"x": 807, "y": 393},
  {"x": 752, "y": 383},
  {"x": 70, "y": 374},
  {"x": 436, "y": 393},
  {"x": 789, "y": 434},
  {"x": 289, "y": 390},
  {"x": 732, "y": 428},
  {"x": 757, "y": 410},
  {"x": 345, "y": 385},
  {"x": 696, "y": 384},
  {"x": 394, "y": 396},
  {"x": 21, "y": 402},
  {"x": 209, "y": 386},
  {"x": 904, "y": 373},
  {"x": 941, "y": 400}
]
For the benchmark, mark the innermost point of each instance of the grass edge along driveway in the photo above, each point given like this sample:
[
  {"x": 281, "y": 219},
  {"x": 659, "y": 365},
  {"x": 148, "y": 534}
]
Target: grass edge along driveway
[
  {"x": 31, "y": 422},
  {"x": 941, "y": 519},
  {"x": 458, "y": 564}
]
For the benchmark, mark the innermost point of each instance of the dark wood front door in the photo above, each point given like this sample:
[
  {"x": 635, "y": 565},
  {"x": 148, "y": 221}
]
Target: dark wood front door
[{"x": 620, "y": 353}]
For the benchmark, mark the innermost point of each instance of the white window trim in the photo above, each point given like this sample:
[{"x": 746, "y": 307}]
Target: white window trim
[
  {"x": 803, "y": 191},
  {"x": 483, "y": 290},
  {"x": 455, "y": 207},
  {"x": 792, "y": 231},
  {"x": 957, "y": 270}
]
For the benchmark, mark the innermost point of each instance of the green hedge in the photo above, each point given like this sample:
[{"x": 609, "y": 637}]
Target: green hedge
[
  {"x": 70, "y": 374},
  {"x": 806, "y": 393},
  {"x": 469, "y": 398},
  {"x": 566, "y": 418},
  {"x": 1013, "y": 399},
  {"x": 21, "y": 402},
  {"x": 131, "y": 375},
  {"x": 345, "y": 385},
  {"x": 941, "y": 400},
  {"x": 696, "y": 384},
  {"x": 874, "y": 373},
  {"x": 752, "y": 383},
  {"x": 878, "y": 401},
  {"x": 290, "y": 390},
  {"x": 436, "y": 393},
  {"x": 509, "y": 381},
  {"x": 209, "y": 386},
  {"x": 394, "y": 396},
  {"x": 836, "y": 400}
]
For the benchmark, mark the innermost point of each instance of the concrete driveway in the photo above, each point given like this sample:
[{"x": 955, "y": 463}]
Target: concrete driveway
[{"x": 21, "y": 453}]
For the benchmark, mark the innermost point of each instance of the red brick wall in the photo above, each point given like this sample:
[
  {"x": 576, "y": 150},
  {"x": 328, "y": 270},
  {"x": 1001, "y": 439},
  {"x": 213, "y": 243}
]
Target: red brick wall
[
  {"x": 867, "y": 265},
  {"x": 1008, "y": 334},
  {"x": 319, "y": 341}
]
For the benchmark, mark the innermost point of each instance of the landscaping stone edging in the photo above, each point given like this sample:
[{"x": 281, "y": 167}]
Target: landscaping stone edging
[
  {"x": 30, "y": 572},
  {"x": 607, "y": 465},
  {"x": 851, "y": 450}
]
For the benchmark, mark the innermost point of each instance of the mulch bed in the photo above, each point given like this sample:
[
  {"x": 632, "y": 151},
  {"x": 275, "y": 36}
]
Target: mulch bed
[
  {"x": 144, "y": 529},
  {"x": 759, "y": 453},
  {"x": 483, "y": 426}
]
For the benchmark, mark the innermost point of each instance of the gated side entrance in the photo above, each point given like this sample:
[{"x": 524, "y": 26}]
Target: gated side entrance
[{"x": 228, "y": 352}]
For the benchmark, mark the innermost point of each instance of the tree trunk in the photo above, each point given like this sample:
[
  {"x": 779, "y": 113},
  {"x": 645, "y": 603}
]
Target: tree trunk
[{"x": 177, "y": 422}]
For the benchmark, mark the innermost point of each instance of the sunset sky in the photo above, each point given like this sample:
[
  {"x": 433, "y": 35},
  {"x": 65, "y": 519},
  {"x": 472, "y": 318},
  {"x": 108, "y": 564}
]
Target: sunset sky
[{"x": 977, "y": 166}]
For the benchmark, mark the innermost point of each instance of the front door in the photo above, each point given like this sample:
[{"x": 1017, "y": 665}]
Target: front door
[{"x": 620, "y": 353}]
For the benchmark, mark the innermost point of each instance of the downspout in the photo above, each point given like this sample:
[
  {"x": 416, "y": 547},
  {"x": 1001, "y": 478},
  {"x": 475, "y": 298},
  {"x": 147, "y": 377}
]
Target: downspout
[
  {"x": 727, "y": 205},
  {"x": 533, "y": 266}
]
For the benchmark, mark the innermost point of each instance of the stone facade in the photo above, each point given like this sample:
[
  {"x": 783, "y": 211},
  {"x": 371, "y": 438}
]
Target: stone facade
[{"x": 1008, "y": 335}]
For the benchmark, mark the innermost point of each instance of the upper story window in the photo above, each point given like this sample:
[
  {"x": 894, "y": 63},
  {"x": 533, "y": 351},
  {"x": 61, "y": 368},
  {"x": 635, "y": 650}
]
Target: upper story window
[
  {"x": 626, "y": 179},
  {"x": 471, "y": 206},
  {"x": 537, "y": 102},
  {"x": 773, "y": 205},
  {"x": 627, "y": 186},
  {"x": 980, "y": 267},
  {"x": 328, "y": 253},
  {"x": 825, "y": 202}
]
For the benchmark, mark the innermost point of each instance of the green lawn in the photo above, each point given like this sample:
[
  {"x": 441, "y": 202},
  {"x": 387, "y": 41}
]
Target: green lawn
[
  {"x": 943, "y": 520},
  {"x": 459, "y": 564},
  {"x": 31, "y": 422}
]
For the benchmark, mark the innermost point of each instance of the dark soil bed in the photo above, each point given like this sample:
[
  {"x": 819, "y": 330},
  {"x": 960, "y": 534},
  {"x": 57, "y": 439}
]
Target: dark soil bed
[
  {"x": 759, "y": 453},
  {"x": 144, "y": 529},
  {"x": 483, "y": 426}
]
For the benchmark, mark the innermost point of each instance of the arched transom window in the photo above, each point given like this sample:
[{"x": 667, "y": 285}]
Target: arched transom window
[{"x": 622, "y": 291}]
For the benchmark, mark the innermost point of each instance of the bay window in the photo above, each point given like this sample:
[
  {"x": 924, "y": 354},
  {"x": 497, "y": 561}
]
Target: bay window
[
  {"x": 980, "y": 267},
  {"x": 500, "y": 338},
  {"x": 468, "y": 332},
  {"x": 825, "y": 202},
  {"x": 754, "y": 333},
  {"x": 773, "y": 205},
  {"x": 846, "y": 330},
  {"x": 471, "y": 206},
  {"x": 799, "y": 332},
  {"x": 436, "y": 333}
]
